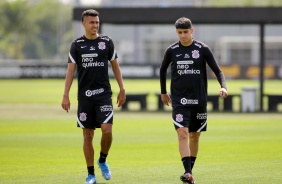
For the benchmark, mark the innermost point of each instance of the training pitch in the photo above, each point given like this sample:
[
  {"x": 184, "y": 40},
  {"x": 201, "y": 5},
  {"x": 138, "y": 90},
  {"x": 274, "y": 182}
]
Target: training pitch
[{"x": 39, "y": 143}]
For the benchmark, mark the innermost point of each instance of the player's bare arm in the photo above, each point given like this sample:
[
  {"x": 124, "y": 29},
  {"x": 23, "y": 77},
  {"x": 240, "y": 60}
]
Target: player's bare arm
[
  {"x": 68, "y": 82},
  {"x": 121, "y": 98}
]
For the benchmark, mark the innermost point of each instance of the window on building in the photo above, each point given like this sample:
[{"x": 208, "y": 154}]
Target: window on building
[
  {"x": 240, "y": 56},
  {"x": 154, "y": 50},
  {"x": 273, "y": 56}
]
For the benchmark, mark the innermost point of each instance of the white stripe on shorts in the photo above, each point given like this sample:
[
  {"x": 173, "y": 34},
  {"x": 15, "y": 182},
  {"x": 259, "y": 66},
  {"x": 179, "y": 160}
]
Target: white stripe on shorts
[
  {"x": 109, "y": 117},
  {"x": 199, "y": 130},
  {"x": 79, "y": 123},
  {"x": 177, "y": 124}
]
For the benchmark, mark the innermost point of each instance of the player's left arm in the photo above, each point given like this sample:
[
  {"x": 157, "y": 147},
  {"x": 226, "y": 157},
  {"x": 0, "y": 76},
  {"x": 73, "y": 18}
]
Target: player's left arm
[
  {"x": 217, "y": 71},
  {"x": 121, "y": 98}
]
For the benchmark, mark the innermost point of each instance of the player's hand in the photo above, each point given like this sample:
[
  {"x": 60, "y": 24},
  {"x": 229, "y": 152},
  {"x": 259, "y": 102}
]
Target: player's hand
[
  {"x": 166, "y": 99},
  {"x": 121, "y": 98},
  {"x": 66, "y": 103},
  {"x": 223, "y": 93}
]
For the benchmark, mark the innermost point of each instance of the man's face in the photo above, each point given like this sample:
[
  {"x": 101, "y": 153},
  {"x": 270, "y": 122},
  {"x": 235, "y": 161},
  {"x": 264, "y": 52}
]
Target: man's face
[
  {"x": 184, "y": 35},
  {"x": 91, "y": 24}
]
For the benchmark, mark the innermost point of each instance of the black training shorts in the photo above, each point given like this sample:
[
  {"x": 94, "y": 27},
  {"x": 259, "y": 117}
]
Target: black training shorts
[
  {"x": 194, "y": 118},
  {"x": 91, "y": 114}
]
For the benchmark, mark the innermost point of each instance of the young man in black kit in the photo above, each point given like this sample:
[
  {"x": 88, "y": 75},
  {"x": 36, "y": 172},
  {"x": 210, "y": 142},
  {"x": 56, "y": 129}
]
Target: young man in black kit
[
  {"x": 188, "y": 90},
  {"x": 91, "y": 53}
]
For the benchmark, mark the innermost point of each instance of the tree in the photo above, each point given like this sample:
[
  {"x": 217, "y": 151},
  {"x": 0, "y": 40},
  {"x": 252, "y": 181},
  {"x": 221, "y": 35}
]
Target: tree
[
  {"x": 35, "y": 30},
  {"x": 16, "y": 28},
  {"x": 55, "y": 30}
]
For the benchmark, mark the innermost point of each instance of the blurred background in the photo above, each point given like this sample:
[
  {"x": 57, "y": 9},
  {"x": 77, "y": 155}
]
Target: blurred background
[
  {"x": 35, "y": 37},
  {"x": 40, "y": 31},
  {"x": 30, "y": 33},
  {"x": 39, "y": 141}
]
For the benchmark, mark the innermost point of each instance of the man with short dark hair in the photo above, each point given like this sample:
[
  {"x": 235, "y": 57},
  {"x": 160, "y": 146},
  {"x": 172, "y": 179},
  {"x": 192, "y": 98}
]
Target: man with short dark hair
[
  {"x": 91, "y": 53},
  {"x": 188, "y": 59}
]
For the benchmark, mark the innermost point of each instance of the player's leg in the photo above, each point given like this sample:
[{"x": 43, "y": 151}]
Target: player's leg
[
  {"x": 183, "y": 147},
  {"x": 85, "y": 119},
  {"x": 88, "y": 135},
  {"x": 181, "y": 121},
  {"x": 184, "y": 151},
  {"x": 105, "y": 116},
  {"x": 194, "y": 138},
  {"x": 198, "y": 124},
  {"x": 106, "y": 141}
]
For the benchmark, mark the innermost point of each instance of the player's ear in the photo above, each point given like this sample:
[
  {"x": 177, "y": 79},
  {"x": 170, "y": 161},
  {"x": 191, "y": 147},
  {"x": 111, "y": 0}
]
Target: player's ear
[{"x": 192, "y": 30}]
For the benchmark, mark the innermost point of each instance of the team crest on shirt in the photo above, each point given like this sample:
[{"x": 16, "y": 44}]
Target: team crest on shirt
[
  {"x": 82, "y": 116},
  {"x": 179, "y": 117},
  {"x": 195, "y": 54},
  {"x": 101, "y": 45}
]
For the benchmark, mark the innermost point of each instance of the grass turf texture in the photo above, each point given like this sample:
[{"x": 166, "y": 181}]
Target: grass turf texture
[
  {"x": 39, "y": 142},
  {"x": 50, "y": 91}
]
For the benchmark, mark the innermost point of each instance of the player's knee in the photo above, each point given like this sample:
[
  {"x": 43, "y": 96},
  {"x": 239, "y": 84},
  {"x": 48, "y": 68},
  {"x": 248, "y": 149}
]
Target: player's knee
[
  {"x": 194, "y": 137},
  {"x": 107, "y": 133},
  {"x": 88, "y": 134},
  {"x": 182, "y": 134}
]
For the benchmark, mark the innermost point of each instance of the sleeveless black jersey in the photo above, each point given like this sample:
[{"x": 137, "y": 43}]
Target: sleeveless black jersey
[
  {"x": 92, "y": 58},
  {"x": 188, "y": 73}
]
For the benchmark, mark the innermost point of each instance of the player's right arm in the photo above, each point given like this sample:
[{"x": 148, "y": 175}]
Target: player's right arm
[
  {"x": 68, "y": 82},
  {"x": 163, "y": 70}
]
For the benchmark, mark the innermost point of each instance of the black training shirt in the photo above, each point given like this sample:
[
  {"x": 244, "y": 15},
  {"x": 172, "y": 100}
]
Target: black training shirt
[
  {"x": 91, "y": 58},
  {"x": 188, "y": 73}
]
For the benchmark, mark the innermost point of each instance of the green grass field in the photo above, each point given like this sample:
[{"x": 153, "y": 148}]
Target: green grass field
[
  {"x": 39, "y": 142},
  {"x": 50, "y": 91}
]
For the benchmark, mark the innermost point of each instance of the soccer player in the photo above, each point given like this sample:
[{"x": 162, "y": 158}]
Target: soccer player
[
  {"x": 91, "y": 54},
  {"x": 188, "y": 91}
]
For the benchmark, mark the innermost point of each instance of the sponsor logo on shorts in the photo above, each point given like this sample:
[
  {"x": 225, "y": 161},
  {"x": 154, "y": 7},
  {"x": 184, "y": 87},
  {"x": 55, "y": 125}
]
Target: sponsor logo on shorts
[
  {"x": 82, "y": 116},
  {"x": 185, "y": 101},
  {"x": 201, "y": 115},
  {"x": 106, "y": 108},
  {"x": 179, "y": 117},
  {"x": 94, "y": 92}
]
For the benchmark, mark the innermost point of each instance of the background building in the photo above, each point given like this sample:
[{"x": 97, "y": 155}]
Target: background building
[{"x": 231, "y": 44}]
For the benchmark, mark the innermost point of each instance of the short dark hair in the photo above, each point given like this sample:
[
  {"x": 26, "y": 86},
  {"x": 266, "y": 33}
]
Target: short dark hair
[
  {"x": 183, "y": 23},
  {"x": 89, "y": 12}
]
